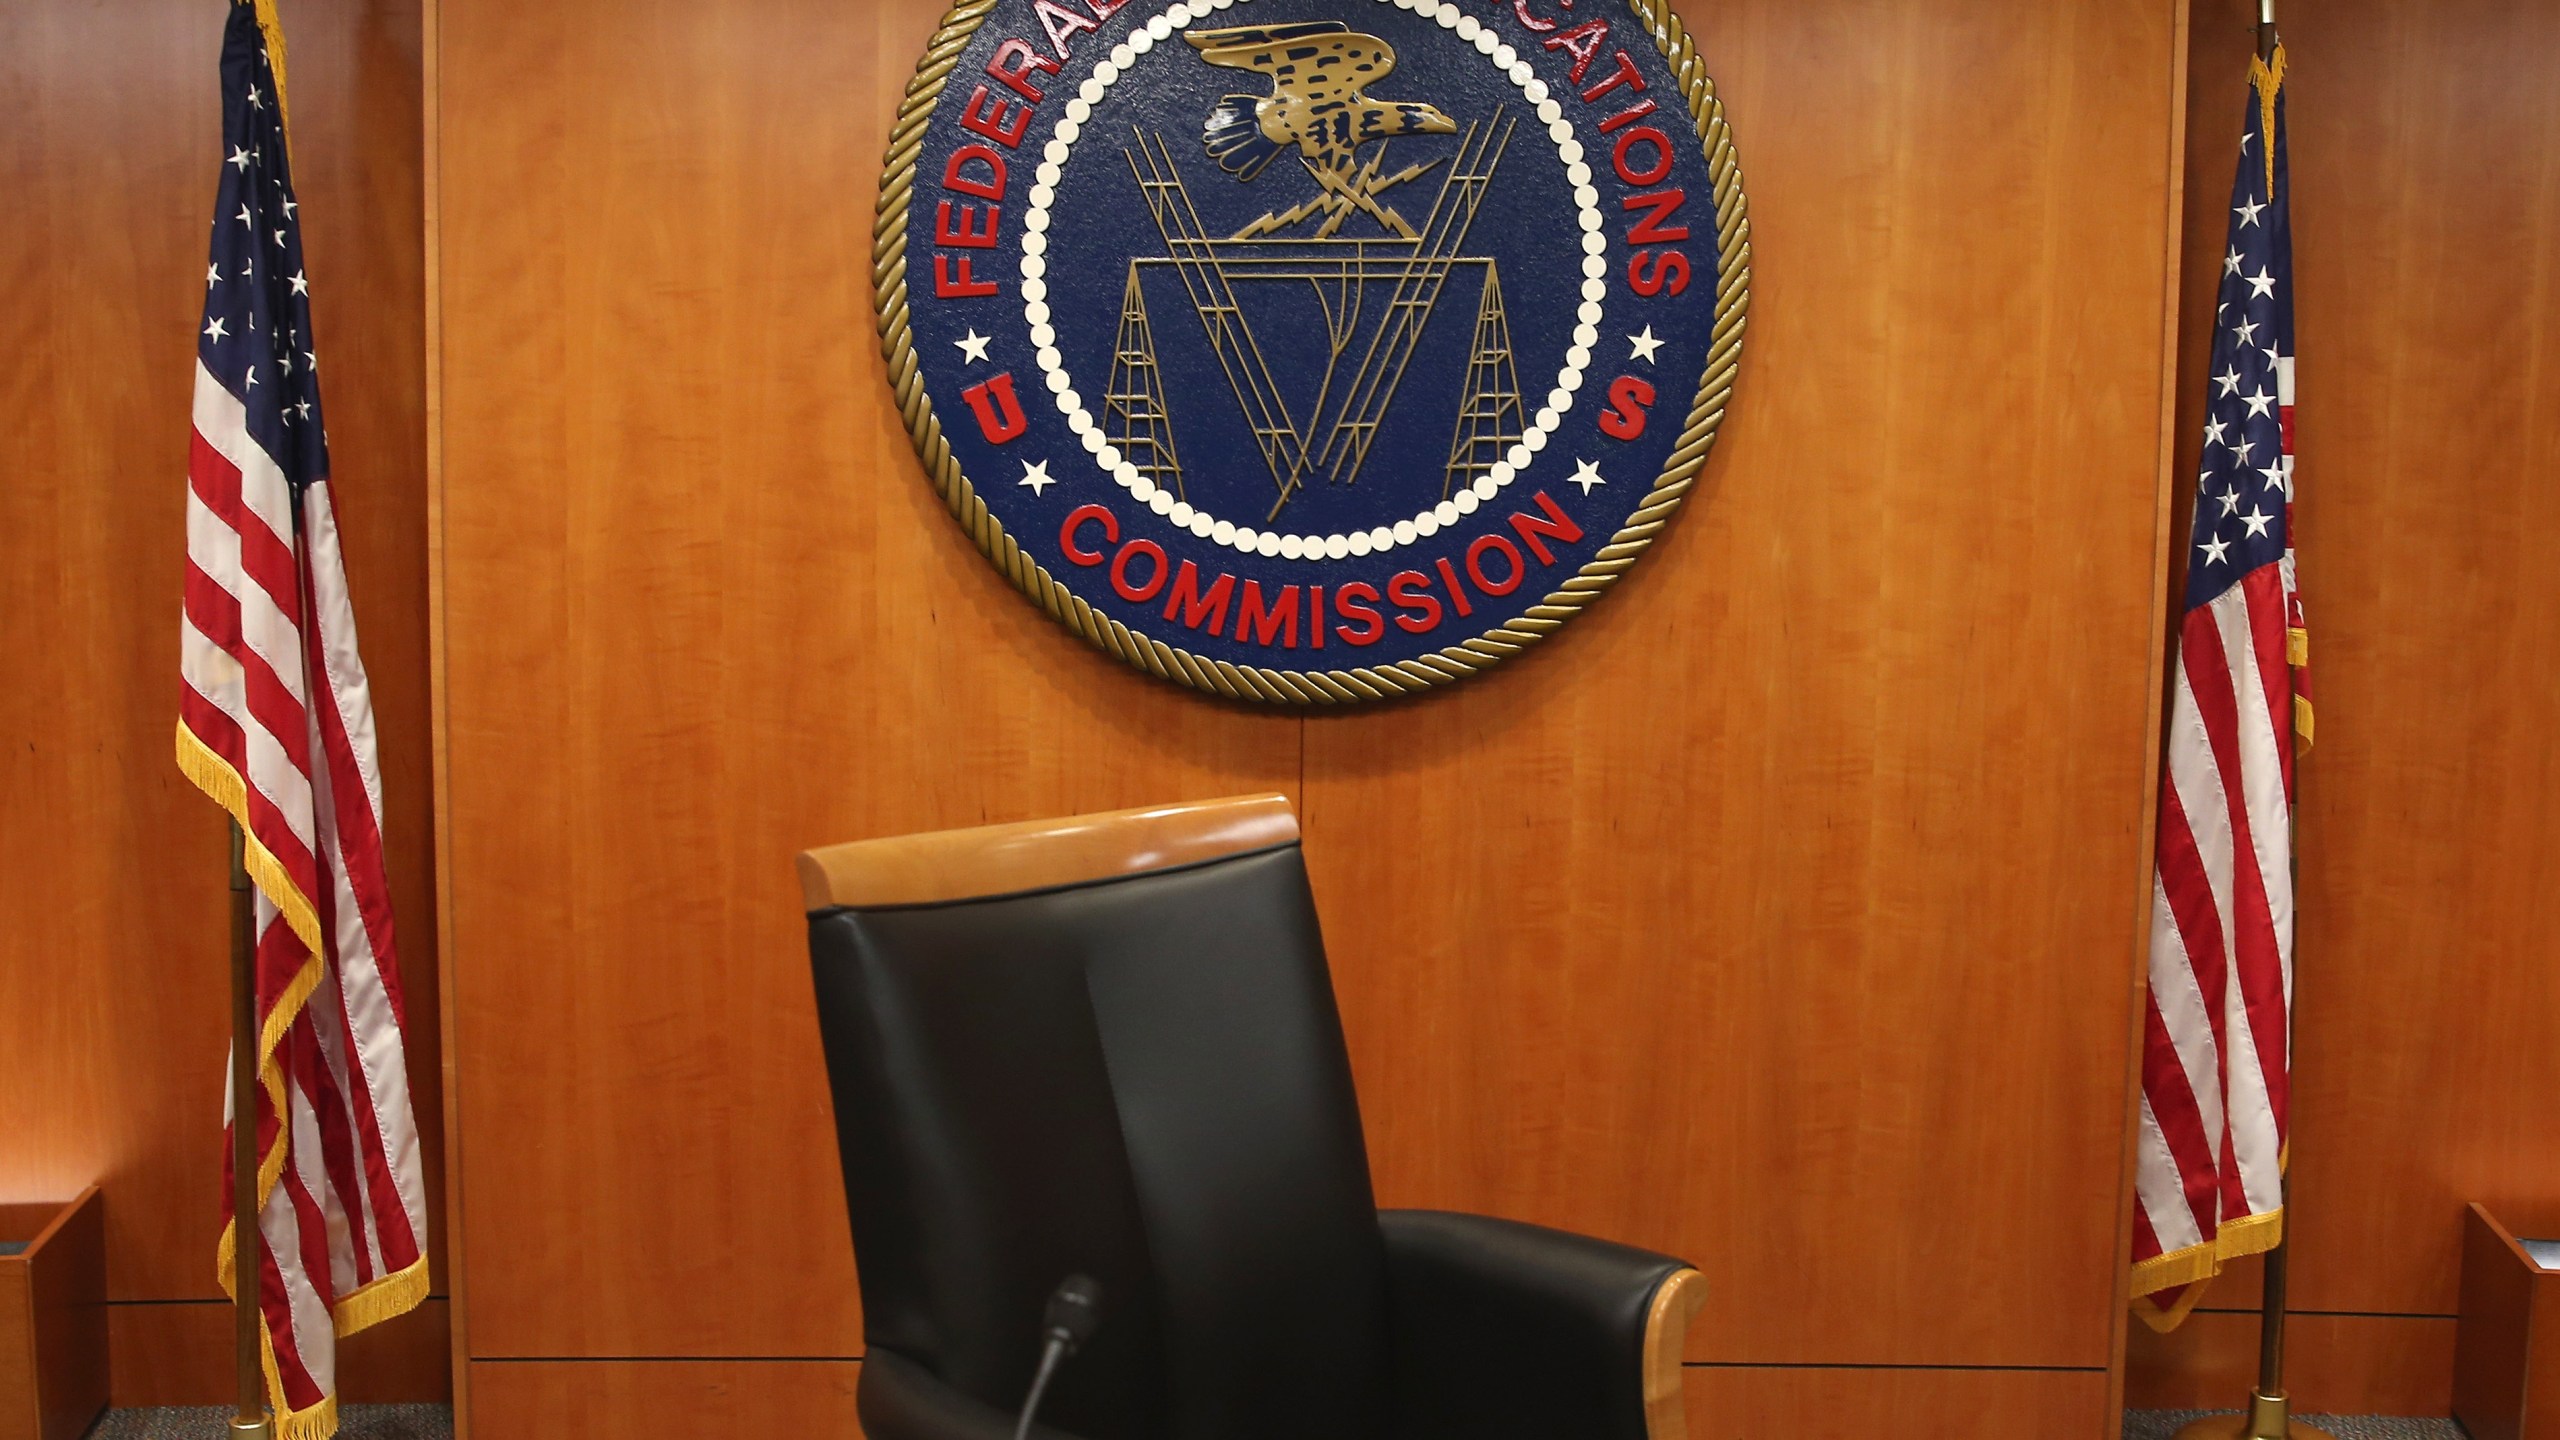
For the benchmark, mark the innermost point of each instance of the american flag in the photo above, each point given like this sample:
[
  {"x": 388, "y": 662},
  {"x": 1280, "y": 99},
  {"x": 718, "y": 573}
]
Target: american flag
[
  {"x": 276, "y": 724},
  {"x": 2219, "y": 1026}
]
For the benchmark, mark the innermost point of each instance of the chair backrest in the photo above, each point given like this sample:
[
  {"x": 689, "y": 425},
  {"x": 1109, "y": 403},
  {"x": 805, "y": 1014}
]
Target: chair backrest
[{"x": 1107, "y": 1045}]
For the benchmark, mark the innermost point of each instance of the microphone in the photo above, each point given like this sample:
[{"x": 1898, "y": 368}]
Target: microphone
[{"x": 1075, "y": 1308}]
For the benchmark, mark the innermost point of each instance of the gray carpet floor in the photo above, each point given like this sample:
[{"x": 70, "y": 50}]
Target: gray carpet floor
[
  {"x": 213, "y": 1422},
  {"x": 2161, "y": 1424},
  {"x": 435, "y": 1422}
]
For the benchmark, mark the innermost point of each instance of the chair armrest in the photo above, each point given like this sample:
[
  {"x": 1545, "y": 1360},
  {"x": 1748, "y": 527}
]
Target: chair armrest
[
  {"x": 899, "y": 1399},
  {"x": 1508, "y": 1330}
]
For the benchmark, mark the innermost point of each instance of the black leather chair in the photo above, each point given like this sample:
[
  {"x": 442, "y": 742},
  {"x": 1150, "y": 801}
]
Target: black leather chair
[{"x": 1109, "y": 1045}]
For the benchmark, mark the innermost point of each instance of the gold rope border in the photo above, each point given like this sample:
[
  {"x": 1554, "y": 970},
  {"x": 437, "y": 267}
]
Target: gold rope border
[{"x": 1311, "y": 687}]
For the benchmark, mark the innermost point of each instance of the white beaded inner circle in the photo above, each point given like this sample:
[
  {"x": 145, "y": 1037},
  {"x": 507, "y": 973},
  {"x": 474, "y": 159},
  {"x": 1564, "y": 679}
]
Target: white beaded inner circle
[{"x": 1252, "y": 541}]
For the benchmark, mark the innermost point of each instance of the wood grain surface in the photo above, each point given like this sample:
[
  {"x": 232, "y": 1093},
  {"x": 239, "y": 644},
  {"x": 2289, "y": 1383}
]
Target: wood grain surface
[
  {"x": 113, "y": 972},
  {"x": 179, "y": 1353},
  {"x": 1819, "y": 1403},
  {"x": 1778, "y": 915},
  {"x": 702, "y": 613},
  {"x": 619, "y": 1397},
  {"x": 982, "y": 860},
  {"x": 639, "y": 1397},
  {"x": 2334, "y": 1364}
]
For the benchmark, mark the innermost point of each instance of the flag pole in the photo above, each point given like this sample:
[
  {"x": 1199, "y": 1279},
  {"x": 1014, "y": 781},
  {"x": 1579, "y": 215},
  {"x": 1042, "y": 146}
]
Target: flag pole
[
  {"x": 2269, "y": 1415},
  {"x": 249, "y": 1416}
]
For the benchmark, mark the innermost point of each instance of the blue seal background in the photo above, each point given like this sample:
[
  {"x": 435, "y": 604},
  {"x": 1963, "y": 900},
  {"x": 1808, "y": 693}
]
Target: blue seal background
[{"x": 1099, "y": 223}]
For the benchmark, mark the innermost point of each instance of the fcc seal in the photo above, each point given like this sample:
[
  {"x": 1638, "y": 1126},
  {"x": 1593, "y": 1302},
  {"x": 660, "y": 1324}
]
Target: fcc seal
[{"x": 1312, "y": 350}]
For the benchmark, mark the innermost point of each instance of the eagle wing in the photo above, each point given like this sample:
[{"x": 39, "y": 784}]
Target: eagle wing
[
  {"x": 1314, "y": 63},
  {"x": 1256, "y": 47},
  {"x": 1235, "y": 139}
]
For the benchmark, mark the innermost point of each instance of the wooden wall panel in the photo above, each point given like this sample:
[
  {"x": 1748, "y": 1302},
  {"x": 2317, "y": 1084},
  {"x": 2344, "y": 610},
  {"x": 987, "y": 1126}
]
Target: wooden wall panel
[
  {"x": 1826, "y": 1403},
  {"x": 701, "y": 612},
  {"x": 519, "y": 1400},
  {"x": 2427, "y": 237},
  {"x": 1779, "y": 914},
  {"x": 113, "y": 972},
  {"x": 2334, "y": 1364},
  {"x": 179, "y": 1353},
  {"x": 535, "y": 1400}
]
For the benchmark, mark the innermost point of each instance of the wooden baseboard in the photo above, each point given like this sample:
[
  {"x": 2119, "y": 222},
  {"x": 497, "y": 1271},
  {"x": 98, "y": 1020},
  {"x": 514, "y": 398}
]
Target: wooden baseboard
[
  {"x": 579, "y": 1399},
  {"x": 2334, "y": 1364},
  {"x": 1828, "y": 1403},
  {"x": 179, "y": 1353},
  {"x": 610, "y": 1399}
]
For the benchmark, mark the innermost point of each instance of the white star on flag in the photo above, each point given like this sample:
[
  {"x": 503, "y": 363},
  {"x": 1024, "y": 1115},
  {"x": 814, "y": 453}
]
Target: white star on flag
[{"x": 1036, "y": 478}]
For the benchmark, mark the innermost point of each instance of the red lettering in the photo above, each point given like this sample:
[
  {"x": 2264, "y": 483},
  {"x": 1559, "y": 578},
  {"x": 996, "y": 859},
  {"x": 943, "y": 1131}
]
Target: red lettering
[
  {"x": 1669, "y": 272},
  {"x": 1626, "y": 74},
  {"x": 1659, "y": 206},
  {"x": 1261, "y": 625},
  {"x": 1315, "y": 616},
  {"x": 1653, "y": 174},
  {"x": 1581, "y": 42},
  {"x": 1357, "y": 601},
  {"x": 1417, "y": 609},
  {"x": 991, "y": 188},
  {"x": 1060, "y": 22},
  {"x": 991, "y": 400},
  {"x": 1628, "y": 397},
  {"x": 1534, "y": 532},
  {"x": 1521, "y": 9},
  {"x": 1457, "y": 596},
  {"x": 987, "y": 115},
  {"x": 1011, "y": 67},
  {"x": 1189, "y": 606},
  {"x": 1486, "y": 544},
  {"x": 1138, "y": 594},
  {"x": 1078, "y": 518},
  {"x": 958, "y": 283},
  {"x": 945, "y": 232},
  {"x": 1104, "y": 9},
  {"x": 1626, "y": 117}
]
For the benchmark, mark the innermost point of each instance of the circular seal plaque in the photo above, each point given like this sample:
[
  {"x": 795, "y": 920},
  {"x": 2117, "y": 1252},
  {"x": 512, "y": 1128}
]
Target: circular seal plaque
[{"x": 1312, "y": 350}]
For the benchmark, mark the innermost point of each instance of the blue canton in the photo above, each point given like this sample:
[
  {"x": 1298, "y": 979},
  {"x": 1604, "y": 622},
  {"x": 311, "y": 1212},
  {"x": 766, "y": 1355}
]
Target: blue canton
[
  {"x": 2245, "y": 492},
  {"x": 256, "y": 336}
]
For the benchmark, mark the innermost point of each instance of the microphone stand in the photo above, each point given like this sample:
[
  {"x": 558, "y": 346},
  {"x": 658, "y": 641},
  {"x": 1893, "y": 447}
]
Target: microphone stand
[{"x": 1075, "y": 1309}]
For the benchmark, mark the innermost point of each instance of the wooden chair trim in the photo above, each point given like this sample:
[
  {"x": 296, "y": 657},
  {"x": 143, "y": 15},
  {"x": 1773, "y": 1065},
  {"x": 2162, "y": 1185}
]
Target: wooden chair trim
[
  {"x": 1666, "y": 1340},
  {"x": 947, "y": 865}
]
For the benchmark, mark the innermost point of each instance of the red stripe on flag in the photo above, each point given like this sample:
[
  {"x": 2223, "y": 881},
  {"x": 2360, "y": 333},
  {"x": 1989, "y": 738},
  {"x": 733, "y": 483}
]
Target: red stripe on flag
[
  {"x": 265, "y": 556},
  {"x": 2173, "y": 1104},
  {"x": 2255, "y": 958},
  {"x": 2262, "y": 591},
  {"x": 2191, "y": 907},
  {"x": 329, "y": 1115},
  {"x": 359, "y": 833},
  {"x": 219, "y": 733},
  {"x": 311, "y": 1233},
  {"x": 359, "y": 844},
  {"x": 272, "y": 705}
]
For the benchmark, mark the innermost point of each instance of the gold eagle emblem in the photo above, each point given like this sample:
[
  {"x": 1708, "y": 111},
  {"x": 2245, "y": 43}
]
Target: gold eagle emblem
[{"x": 1320, "y": 72}]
